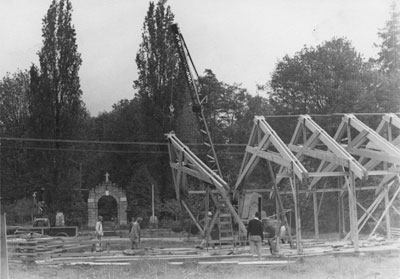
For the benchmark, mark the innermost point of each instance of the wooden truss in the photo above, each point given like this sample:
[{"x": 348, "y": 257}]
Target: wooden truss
[
  {"x": 264, "y": 143},
  {"x": 378, "y": 153},
  {"x": 353, "y": 156},
  {"x": 355, "y": 153},
  {"x": 184, "y": 162}
]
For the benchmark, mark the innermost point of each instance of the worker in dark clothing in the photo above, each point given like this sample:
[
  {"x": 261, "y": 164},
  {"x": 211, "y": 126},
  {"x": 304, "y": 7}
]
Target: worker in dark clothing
[{"x": 255, "y": 235}]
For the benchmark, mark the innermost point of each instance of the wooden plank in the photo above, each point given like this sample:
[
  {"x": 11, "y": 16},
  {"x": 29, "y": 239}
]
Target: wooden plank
[
  {"x": 192, "y": 217},
  {"x": 295, "y": 187},
  {"x": 315, "y": 206},
  {"x": 3, "y": 248},
  {"x": 353, "y": 211}
]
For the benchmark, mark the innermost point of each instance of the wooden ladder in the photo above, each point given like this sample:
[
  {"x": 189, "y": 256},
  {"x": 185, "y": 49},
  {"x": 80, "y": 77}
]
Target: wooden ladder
[{"x": 225, "y": 226}]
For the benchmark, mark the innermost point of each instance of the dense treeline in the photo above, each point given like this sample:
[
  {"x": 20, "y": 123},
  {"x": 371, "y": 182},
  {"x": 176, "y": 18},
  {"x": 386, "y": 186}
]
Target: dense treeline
[{"x": 69, "y": 151}]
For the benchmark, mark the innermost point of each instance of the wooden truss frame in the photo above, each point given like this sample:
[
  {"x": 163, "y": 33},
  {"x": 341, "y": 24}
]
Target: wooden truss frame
[
  {"x": 378, "y": 153},
  {"x": 365, "y": 155},
  {"x": 355, "y": 154},
  {"x": 184, "y": 162},
  {"x": 264, "y": 143}
]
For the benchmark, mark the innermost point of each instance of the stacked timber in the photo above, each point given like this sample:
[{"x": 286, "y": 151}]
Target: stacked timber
[{"x": 33, "y": 247}]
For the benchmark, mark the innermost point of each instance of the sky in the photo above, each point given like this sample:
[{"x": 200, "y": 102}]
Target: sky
[{"x": 239, "y": 40}]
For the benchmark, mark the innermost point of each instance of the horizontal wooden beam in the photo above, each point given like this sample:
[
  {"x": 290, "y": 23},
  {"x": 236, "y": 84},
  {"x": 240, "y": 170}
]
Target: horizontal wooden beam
[
  {"x": 304, "y": 191},
  {"x": 327, "y": 174}
]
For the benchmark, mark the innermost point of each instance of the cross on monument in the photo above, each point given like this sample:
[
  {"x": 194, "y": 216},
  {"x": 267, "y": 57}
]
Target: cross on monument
[{"x": 107, "y": 177}]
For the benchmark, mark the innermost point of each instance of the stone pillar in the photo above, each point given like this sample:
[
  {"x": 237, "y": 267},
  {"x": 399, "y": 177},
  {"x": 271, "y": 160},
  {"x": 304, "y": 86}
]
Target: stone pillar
[
  {"x": 92, "y": 212},
  {"x": 122, "y": 217}
]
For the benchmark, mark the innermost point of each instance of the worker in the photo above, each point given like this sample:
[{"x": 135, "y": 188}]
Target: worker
[
  {"x": 255, "y": 235},
  {"x": 206, "y": 240},
  {"x": 99, "y": 232},
  {"x": 134, "y": 233}
]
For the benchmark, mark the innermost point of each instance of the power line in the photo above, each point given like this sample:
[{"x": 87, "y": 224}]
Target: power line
[
  {"x": 103, "y": 150},
  {"x": 149, "y": 143}
]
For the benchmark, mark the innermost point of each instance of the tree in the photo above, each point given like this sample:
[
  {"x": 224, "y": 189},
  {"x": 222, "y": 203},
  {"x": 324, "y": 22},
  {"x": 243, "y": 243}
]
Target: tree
[
  {"x": 14, "y": 90},
  {"x": 158, "y": 69},
  {"x": 326, "y": 79},
  {"x": 159, "y": 87},
  {"x": 389, "y": 55},
  {"x": 14, "y": 103},
  {"x": 56, "y": 109},
  {"x": 386, "y": 85}
]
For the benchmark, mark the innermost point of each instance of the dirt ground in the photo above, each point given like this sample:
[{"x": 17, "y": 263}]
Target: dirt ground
[{"x": 369, "y": 265}]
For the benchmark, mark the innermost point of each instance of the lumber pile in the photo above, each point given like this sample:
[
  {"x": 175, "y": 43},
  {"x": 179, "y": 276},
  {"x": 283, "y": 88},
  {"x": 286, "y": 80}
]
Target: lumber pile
[{"x": 33, "y": 247}]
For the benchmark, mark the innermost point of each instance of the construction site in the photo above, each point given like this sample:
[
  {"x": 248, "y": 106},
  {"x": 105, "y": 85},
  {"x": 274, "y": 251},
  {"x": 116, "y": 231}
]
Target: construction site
[{"x": 355, "y": 159}]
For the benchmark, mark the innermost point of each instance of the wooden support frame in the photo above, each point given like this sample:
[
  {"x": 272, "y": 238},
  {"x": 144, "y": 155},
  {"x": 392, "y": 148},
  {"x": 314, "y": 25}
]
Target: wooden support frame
[
  {"x": 355, "y": 153},
  {"x": 264, "y": 143},
  {"x": 379, "y": 155},
  {"x": 184, "y": 162},
  {"x": 263, "y": 140},
  {"x": 321, "y": 146},
  {"x": 310, "y": 140}
]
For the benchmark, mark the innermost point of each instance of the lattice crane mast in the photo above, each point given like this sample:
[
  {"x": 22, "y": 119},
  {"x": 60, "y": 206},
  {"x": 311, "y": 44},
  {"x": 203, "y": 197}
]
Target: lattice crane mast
[{"x": 198, "y": 99}]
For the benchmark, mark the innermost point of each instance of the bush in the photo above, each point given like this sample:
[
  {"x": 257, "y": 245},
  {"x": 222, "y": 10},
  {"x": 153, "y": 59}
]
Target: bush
[{"x": 19, "y": 212}]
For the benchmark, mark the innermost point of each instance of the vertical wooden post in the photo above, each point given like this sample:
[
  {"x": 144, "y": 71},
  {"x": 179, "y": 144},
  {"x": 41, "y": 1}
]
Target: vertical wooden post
[
  {"x": 353, "y": 212},
  {"x": 342, "y": 227},
  {"x": 315, "y": 203},
  {"x": 207, "y": 209},
  {"x": 297, "y": 214},
  {"x": 152, "y": 201},
  {"x": 340, "y": 214},
  {"x": 342, "y": 209},
  {"x": 3, "y": 248},
  {"x": 387, "y": 215},
  {"x": 280, "y": 210}
]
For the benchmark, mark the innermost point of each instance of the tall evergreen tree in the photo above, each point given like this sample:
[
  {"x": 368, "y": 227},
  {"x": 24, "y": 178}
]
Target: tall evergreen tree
[
  {"x": 159, "y": 84},
  {"x": 389, "y": 54},
  {"x": 386, "y": 85},
  {"x": 55, "y": 98}
]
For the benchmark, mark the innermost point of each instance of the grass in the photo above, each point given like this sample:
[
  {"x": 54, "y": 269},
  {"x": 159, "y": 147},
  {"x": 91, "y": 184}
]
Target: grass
[{"x": 332, "y": 267}]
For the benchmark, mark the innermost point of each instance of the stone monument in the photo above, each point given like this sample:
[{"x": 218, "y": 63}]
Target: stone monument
[{"x": 108, "y": 189}]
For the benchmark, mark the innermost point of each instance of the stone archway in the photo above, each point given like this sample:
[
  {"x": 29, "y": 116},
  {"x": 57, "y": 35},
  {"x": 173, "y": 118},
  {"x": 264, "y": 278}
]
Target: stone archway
[{"x": 107, "y": 191}]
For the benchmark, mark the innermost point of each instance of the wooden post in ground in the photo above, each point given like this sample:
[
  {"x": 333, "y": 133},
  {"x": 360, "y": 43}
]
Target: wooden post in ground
[
  {"x": 3, "y": 248},
  {"x": 206, "y": 217},
  {"x": 387, "y": 215},
  {"x": 353, "y": 212},
  {"x": 280, "y": 210},
  {"x": 342, "y": 228},
  {"x": 295, "y": 186},
  {"x": 315, "y": 203}
]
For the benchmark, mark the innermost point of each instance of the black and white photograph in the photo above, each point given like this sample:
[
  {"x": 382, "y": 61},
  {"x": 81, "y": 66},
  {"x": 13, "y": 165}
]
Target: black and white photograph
[{"x": 200, "y": 139}]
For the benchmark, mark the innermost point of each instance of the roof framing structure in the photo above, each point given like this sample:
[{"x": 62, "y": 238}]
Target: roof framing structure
[
  {"x": 184, "y": 162},
  {"x": 378, "y": 151},
  {"x": 266, "y": 144},
  {"x": 310, "y": 140},
  {"x": 354, "y": 154}
]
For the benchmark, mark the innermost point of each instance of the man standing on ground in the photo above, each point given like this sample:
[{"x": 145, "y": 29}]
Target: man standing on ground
[
  {"x": 134, "y": 233},
  {"x": 99, "y": 232},
  {"x": 255, "y": 235}
]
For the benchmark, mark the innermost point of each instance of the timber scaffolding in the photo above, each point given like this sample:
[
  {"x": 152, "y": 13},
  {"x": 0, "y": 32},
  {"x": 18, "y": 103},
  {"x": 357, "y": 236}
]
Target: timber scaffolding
[{"x": 355, "y": 155}]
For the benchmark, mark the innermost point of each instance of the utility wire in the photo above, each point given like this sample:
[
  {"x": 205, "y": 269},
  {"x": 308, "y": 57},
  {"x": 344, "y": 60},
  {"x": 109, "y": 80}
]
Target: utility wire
[
  {"x": 112, "y": 142},
  {"x": 102, "y": 150}
]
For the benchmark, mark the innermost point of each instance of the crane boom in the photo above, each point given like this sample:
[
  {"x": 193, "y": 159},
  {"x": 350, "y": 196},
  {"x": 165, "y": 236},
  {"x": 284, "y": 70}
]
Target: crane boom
[{"x": 198, "y": 100}]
